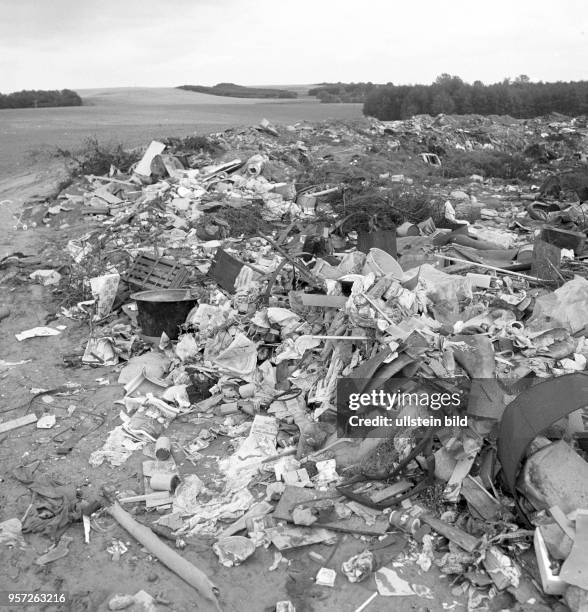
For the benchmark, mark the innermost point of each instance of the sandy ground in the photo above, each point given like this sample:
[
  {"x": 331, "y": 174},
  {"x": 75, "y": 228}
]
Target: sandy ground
[{"x": 88, "y": 575}]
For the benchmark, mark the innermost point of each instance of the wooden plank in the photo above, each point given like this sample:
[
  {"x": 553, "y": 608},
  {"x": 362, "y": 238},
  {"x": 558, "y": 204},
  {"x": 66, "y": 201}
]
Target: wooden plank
[
  {"x": 27, "y": 419},
  {"x": 157, "y": 496},
  {"x": 294, "y": 496},
  {"x": 457, "y": 536},
  {"x": 479, "y": 499},
  {"x": 396, "y": 489},
  {"x": 323, "y": 301}
]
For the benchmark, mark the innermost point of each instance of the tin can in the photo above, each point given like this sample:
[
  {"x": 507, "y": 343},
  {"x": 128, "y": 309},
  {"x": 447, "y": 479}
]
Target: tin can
[
  {"x": 163, "y": 448},
  {"x": 404, "y": 521}
]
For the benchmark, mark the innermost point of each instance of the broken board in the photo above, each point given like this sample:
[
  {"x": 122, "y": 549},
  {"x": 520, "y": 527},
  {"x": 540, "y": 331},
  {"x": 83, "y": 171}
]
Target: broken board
[
  {"x": 294, "y": 496},
  {"x": 27, "y": 419}
]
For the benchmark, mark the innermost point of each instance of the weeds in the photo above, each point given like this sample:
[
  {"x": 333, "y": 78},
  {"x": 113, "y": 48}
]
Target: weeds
[
  {"x": 191, "y": 145},
  {"x": 381, "y": 209},
  {"x": 97, "y": 158},
  {"x": 247, "y": 221},
  {"x": 489, "y": 164}
]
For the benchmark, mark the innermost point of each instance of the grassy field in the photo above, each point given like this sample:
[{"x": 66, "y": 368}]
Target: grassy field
[{"x": 134, "y": 116}]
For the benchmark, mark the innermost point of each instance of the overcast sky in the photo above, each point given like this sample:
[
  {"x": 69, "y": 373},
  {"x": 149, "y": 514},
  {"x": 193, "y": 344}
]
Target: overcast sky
[{"x": 54, "y": 44}]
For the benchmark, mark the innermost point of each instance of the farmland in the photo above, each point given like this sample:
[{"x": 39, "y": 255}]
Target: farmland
[{"x": 133, "y": 116}]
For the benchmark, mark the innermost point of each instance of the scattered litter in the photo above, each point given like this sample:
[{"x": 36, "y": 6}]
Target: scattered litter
[
  {"x": 57, "y": 552},
  {"x": 390, "y": 584},
  {"x": 326, "y": 577},
  {"x": 116, "y": 549},
  {"x": 47, "y": 421},
  {"x": 233, "y": 550},
  {"x": 37, "y": 332},
  {"x": 235, "y": 321},
  {"x": 11, "y": 533},
  {"x": 46, "y": 277},
  {"x": 359, "y": 567}
]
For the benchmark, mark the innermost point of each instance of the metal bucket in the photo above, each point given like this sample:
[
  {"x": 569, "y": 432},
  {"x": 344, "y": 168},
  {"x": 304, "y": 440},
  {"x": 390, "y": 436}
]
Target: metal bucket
[{"x": 163, "y": 310}]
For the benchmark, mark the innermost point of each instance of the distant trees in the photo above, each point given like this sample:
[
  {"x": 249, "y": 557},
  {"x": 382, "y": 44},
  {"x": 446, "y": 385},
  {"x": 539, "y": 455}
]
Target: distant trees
[
  {"x": 40, "y": 99},
  {"x": 238, "y": 91},
  {"x": 342, "y": 92},
  {"x": 449, "y": 94}
]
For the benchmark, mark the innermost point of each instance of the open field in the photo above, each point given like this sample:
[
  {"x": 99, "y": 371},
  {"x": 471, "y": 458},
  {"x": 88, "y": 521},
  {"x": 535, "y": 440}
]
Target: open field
[{"x": 133, "y": 116}]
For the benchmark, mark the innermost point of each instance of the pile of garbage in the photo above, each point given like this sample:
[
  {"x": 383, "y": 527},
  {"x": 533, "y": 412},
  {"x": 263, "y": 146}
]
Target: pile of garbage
[{"x": 324, "y": 353}]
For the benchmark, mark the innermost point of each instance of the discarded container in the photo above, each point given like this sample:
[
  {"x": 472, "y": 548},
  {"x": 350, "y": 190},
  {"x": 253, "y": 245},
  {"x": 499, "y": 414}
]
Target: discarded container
[
  {"x": 163, "y": 448},
  {"x": 162, "y": 310},
  {"x": 404, "y": 521},
  {"x": 255, "y": 165},
  {"x": 382, "y": 264},
  {"x": 407, "y": 229},
  {"x": 162, "y": 481}
]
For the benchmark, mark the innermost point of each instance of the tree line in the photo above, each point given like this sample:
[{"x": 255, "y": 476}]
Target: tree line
[
  {"x": 450, "y": 95},
  {"x": 342, "y": 92},
  {"x": 37, "y": 98},
  {"x": 239, "y": 91}
]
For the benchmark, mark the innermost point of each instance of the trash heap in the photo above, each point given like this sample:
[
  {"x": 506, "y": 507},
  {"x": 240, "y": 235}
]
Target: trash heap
[{"x": 234, "y": 299}]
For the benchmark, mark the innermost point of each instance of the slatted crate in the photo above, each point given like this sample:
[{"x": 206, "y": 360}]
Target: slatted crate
[{"x": 149, "y": 272}]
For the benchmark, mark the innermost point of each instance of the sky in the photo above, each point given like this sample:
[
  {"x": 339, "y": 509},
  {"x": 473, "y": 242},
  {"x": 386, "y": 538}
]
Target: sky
[{"x": 76, "y": 44}]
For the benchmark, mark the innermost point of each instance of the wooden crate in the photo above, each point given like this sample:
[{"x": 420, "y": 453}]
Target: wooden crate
[{"x": 149, "y": 272}]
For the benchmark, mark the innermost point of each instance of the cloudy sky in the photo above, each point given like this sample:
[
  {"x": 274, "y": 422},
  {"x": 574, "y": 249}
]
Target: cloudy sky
[{"x": 54, "y": 44}]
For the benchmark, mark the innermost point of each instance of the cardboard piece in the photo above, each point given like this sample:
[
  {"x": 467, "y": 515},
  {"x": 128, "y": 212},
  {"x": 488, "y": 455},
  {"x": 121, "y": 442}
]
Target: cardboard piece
[
  {"x": 224, "y": 270},
  {"x": 143, "y": 168}
]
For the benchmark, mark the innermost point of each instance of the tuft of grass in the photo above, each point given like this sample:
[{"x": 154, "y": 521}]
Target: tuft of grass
[{"x": 95, "y": 157}]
